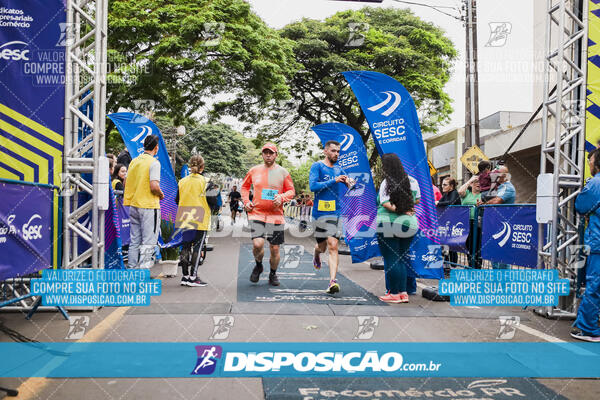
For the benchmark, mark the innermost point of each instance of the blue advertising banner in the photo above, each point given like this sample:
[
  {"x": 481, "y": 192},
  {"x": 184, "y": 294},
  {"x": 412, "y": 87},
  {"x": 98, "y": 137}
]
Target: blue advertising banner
[
  {"x": 113, "y": 253},
  {"x": 358, "y": 204},
  {"x": 33, "y": 36},
  {"x": 510, "y": 235},
  {"x": 123, "y": 213},
  {"x": 454, "y": 227},
  {"x": 25, "y": 229},
  {"x": 394, "y": 123},
  {"x": 133, "y": 129},
  {"x": 307, "y": 360}
]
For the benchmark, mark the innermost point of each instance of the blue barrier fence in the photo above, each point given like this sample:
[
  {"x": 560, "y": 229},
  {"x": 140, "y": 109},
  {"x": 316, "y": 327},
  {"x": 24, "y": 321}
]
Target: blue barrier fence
[{"x": 495, "y": 236}]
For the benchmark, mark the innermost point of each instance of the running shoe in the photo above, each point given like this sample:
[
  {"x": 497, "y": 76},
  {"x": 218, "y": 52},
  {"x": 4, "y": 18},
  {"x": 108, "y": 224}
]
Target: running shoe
[
  {"x": 316, "y": 261},
  {"x": 580, "y": 335},
  {"x": 391, "y": 298},
  {"x": 334, "y": 287},
  {"x": 273, "y": 280},
  {"x": 185, "y": 281},
  {"x": 197, "y": 282},
  {"x": 255, "y": 275}
]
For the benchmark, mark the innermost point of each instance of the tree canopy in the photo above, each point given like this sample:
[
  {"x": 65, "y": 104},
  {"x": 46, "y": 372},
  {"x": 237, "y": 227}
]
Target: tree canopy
[
  {"x": 392, "y": 41},
  {"x": 224, "y": 150},
  {"x": 178, "y": 53}
]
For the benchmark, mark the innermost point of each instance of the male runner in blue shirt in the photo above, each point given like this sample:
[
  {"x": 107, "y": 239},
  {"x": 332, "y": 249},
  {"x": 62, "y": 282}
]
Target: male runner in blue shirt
[{"x": 323, "y": 181}]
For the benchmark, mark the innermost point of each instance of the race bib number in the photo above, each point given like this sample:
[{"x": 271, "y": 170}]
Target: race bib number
[
  {"x": 326, "y": 205},
  {"x": 268, "y": 194}
]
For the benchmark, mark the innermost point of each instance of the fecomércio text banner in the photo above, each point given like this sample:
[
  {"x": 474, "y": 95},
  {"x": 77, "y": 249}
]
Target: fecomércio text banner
[
  {"x": 358, "y": 205},
  {"x": 245, "y": 360},
  {"x": 133, "y": 129},
  {"x": 454, "y": 227},
  {"x": 25, "y": 229},
  {"x": 394, "y": 124},
  {"x": 510, "y": 235}
]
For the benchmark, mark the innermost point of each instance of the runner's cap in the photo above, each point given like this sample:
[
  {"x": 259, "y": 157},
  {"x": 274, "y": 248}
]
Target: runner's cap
[{"x": 269, "y": 146}]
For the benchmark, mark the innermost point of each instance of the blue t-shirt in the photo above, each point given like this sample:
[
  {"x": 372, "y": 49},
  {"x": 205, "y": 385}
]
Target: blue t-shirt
[
  {"x": 506, "y": 192},
  {"x": 584, "y": 204},
  {"x": 322, "y": 182}
]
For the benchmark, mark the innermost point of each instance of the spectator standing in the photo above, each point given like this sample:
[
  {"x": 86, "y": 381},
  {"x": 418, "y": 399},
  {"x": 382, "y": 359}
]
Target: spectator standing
[
  {"x": 124, "y": 158},
  {"x": 470, "y": 195},
  {"x": 143, "y": 195},
  {"x": 483, "y": 175},
  {"x": 437, "y": 194},
  {"x": 395, "y": 200},
  {"x": 450, "y": 196},
  {"x": 587, "y": 203},
  {"x": 193, "y": 219},
  {"x": 118, "y": 177},
  {"x": 506, "y": 193}
]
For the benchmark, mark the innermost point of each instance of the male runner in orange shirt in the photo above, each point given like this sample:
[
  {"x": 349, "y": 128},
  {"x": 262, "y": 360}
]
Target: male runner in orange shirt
[{"x": 273, "y": 186}]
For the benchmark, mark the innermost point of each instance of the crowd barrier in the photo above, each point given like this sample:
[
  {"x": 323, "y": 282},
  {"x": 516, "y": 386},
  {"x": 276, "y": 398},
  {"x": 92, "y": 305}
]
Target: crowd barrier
[
  {"x": 26, "y": 239},
  {"x": 487, "y": 236},
  {"x": 301, "y": 215}
]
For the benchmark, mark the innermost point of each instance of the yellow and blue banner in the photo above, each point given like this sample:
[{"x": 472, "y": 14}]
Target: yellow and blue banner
[
  {"x": 592, "y": 117},
  {"x": 33, "y": 36}
]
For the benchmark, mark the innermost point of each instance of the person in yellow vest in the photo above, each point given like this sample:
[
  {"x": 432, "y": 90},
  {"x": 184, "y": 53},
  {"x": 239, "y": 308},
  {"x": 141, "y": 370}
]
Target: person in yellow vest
[
  {"x": 193, "y": 218},
  {"x": 118, "y": 177},
  {"x": 143, "y": 195}
]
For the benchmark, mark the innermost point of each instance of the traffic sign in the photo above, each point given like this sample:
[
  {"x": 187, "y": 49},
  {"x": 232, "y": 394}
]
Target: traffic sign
[
  {"x": 472, "y": 157},
  {"x": 432, "y": 170}
]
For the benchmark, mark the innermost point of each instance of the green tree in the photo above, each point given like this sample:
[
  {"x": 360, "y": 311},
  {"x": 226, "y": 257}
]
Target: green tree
[
  {"x": 224, "y": 150},
  {"x": 178, "y": 53},
  {"x": 392, "y": 41}
]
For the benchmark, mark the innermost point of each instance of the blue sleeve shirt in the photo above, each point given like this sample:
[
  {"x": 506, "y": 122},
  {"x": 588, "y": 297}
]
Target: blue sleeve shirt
[
  {"x": 507, "y": 193},
  {"x": 327, "y": 191},
  {"x": 585, "y": 202}
]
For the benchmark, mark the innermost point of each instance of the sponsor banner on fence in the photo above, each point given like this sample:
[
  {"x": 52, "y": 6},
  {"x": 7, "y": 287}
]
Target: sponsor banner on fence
[
  {"x": 123, "y": 215},
  {"x": 133, "y": 129},
  {"x": 510, "y": 235},
  {"x": 113, "y": 253},
  {"x": 327, "y": 359},
  {"x": 358, "y": 205},
  {"x": 394, "y": 123},
  {"x": 25, "y": 229},
  {"x": 33, "y": 35},
  {"x": 454, "y": 227}
]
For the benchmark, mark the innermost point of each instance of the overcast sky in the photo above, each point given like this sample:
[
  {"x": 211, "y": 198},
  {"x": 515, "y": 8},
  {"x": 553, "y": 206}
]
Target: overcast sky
[{"x": 505, "y": 72}]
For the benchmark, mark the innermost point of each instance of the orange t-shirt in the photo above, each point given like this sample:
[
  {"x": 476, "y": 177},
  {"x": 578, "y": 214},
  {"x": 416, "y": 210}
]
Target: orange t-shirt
[{"x": 268, "y": 183}]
